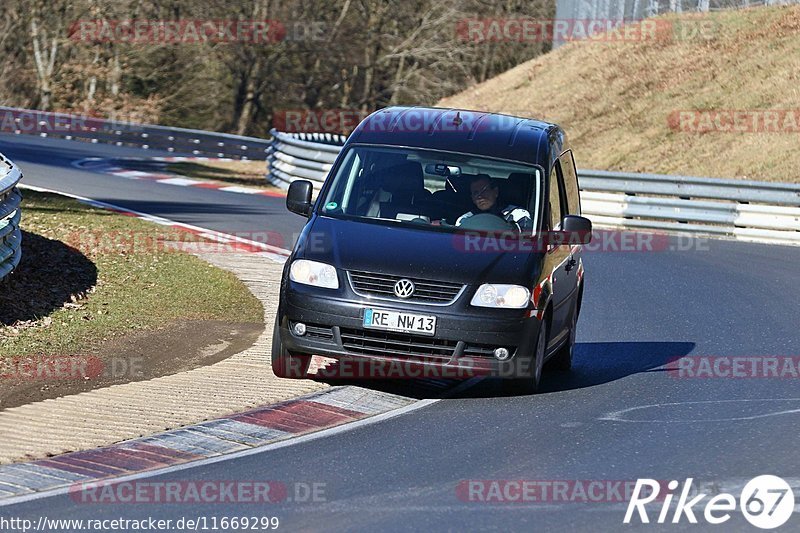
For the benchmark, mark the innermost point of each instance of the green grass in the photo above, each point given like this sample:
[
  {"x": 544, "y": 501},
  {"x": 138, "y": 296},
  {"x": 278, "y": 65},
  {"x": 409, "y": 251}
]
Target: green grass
[{"x": 60, "y": 310}]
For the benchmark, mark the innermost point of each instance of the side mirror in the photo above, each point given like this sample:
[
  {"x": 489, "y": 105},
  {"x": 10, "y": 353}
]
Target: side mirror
[
  {"x": 578, "y": 229},
  {"x": 298, "y": 200}
]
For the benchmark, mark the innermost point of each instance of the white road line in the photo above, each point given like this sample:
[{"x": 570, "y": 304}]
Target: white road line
[
  {"x": 178, "y": 181},
  {"x": 620, "y": 416},
  {"x": 131, "y": 174},
  {"x": 242, "y": 190}
]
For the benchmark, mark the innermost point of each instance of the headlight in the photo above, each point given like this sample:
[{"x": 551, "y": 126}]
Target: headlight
[
  {"x": 506, "y": 296},
  {"x": 314, "y": 273}
]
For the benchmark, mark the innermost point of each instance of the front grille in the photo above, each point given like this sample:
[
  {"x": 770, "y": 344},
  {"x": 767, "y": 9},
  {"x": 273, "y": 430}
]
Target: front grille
[
  {"x": 425, "y": 291},
  {"x": 396, "y": 344}
]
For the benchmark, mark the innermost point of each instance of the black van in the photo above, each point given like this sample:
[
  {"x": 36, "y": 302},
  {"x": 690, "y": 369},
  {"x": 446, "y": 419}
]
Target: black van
[{"x": 442, "y": 239}]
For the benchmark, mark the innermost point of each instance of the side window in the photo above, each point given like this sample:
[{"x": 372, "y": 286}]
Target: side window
[
  {"x": 556, "y": 213},
  {"x": 347, "y": 187},
  {"x": 570, "y": 183}
]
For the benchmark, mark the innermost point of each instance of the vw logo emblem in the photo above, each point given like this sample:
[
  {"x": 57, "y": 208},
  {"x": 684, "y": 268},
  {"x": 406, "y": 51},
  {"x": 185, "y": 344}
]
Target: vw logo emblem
[{"x": 404, "y": 288}]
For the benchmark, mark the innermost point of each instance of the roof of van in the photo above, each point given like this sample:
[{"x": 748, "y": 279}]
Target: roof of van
[{"x": 457, "y": 130}]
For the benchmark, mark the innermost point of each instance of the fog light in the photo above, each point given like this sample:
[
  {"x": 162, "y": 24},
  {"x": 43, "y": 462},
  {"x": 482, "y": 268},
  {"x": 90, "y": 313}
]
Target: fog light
[
  {"x": 299, "y": 329},
  {"x": 501, "y": 354}
]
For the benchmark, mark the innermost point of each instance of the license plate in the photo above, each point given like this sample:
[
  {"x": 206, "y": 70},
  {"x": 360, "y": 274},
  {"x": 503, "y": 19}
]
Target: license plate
[{"x": 398, "y": 321}]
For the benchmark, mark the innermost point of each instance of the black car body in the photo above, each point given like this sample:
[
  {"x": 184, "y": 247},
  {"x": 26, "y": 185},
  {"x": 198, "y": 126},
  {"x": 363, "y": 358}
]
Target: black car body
[{"x": 488, "y": 297}]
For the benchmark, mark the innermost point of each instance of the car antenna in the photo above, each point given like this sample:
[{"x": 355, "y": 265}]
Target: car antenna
[{"x": 457, "y": 121}]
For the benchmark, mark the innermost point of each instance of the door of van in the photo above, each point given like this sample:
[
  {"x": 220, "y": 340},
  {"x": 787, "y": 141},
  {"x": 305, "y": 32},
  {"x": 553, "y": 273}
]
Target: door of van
[
  {"x": 560, "y": 260},
  {"x": 572, "y": 189}
]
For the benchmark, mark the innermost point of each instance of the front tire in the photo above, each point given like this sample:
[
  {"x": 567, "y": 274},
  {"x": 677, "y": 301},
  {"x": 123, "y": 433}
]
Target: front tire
[
  {"x": 285, "y": 364},
  {"x": 530, "y": 384},
  {"x": 562, "y": 360}
]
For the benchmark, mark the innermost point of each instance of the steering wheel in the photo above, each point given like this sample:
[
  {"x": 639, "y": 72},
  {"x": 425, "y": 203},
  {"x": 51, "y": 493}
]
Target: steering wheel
[{"x": 487, "y": 221}]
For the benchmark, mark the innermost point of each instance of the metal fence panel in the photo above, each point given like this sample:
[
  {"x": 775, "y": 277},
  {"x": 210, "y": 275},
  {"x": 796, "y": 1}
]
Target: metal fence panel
[{"x": 10, "y": 214}]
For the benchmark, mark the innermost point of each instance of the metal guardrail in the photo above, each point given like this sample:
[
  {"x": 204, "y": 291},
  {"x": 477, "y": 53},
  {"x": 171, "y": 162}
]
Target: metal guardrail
[
  {"x": 752, "y": 210},
  {"x": 10, "y": 212},
  {"x": 301, "y": 156},
  {"x": 96, "y": 130}
]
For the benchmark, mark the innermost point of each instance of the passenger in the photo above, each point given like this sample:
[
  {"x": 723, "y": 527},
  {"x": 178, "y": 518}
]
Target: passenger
[{"x": 484, "y": 194}]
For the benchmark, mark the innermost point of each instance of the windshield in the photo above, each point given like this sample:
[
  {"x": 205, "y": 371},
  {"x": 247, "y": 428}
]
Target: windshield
[{"x": 423, "y": 187}]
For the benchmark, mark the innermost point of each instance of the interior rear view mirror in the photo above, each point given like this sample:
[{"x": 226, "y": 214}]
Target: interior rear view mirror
[{"x": 440, "y": 169}]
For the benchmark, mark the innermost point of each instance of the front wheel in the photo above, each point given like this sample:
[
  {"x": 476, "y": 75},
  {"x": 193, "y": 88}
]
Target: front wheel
[
  {"x": 562, "y": 360},
  {"x": 285, "y": 364},
  {"x": 530, "y": 384}
]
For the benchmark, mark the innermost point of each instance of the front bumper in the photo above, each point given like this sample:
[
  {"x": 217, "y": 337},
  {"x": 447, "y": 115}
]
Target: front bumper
[{"x": 462, "y": 346}]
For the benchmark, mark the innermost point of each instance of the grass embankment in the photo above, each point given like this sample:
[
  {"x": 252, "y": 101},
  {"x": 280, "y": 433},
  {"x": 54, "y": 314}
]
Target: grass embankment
[
  {"x": 89, "y": 275},
  {"x": 618, "y": 100}
]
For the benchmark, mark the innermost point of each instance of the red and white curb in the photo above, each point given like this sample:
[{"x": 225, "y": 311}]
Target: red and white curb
[
  {"x": 231, "y": 242},
  {"x": 240, "y": 434},
  {"x": 106, "y": 167}
]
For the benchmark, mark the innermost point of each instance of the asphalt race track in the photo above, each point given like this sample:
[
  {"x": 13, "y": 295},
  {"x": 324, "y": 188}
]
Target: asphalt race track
[
  {"x": 48, "y": 163},
  {"x": 618, "y": 416}
]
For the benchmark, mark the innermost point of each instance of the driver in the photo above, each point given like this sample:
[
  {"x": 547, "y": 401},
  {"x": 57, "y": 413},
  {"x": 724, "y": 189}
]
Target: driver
[{"x": 484, "y": 194}]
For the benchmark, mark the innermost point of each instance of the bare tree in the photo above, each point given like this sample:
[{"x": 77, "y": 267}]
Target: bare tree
[
  {"x": 370, "y": 53},
  {"x": 45, "y": 49}
]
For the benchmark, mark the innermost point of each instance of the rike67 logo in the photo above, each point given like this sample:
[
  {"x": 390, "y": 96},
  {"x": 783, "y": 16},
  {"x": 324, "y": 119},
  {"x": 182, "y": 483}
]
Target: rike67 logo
[{"x": 767, "y": 502}]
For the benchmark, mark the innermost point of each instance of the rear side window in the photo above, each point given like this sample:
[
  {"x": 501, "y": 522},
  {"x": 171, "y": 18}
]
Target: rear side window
[
  {"x": 556, "y": 213},
  {"x": 570, "y": 174}
]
